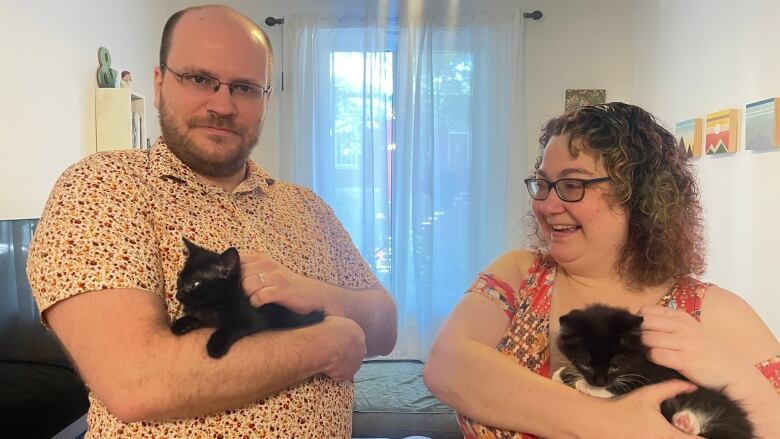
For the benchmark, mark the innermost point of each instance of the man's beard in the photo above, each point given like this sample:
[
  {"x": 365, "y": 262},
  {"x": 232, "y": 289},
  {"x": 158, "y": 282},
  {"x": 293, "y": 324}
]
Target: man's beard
[{"x": 190, "y": 153}]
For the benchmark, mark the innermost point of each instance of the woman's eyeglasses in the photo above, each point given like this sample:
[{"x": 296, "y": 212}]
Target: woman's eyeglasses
[{"x": 568, "y": 189}]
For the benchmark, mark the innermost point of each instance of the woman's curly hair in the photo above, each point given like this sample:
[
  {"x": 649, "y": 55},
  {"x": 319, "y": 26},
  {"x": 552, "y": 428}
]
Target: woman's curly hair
[{"x": 651, "y": 178}]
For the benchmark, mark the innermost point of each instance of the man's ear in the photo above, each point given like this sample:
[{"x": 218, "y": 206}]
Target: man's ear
[{"x": 158, "y": 78}]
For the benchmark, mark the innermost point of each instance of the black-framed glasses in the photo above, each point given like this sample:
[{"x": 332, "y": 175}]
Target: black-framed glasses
[
  {"x": 568, "y": 189},
  {"x": 205, "y": 84}
]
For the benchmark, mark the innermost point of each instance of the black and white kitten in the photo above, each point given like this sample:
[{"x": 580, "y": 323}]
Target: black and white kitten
[
  {"x": 209, "y": 287},
  {"x": 607, "y": 358}
]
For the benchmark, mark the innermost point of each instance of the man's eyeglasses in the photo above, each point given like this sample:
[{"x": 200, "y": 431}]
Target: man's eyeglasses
[
  {"x": 568, "y": 189},
  {"x": 204, "y": 84}
]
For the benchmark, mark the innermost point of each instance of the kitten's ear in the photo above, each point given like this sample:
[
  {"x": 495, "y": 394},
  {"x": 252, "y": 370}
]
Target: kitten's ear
[
  {"x": 230, "y": 260},
  {"x": 569, "y": 318},
  {"x": 632, "y": 330},
  {"x": 191, "y": 248},
  {"x": 634, "y": 321}
]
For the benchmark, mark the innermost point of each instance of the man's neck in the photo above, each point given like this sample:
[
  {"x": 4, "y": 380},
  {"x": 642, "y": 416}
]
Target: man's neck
[{"x": 228, "y": 183}]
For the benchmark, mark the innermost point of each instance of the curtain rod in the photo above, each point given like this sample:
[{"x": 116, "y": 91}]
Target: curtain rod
[{"x": 535, "y": 15}]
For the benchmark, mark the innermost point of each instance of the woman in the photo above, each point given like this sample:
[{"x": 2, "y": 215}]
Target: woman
[{"x": 618, "y": 221}]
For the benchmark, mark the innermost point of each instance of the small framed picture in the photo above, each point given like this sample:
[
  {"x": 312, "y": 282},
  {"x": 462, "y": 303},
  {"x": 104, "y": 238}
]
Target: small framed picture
[{"x": 580, "y": 97}]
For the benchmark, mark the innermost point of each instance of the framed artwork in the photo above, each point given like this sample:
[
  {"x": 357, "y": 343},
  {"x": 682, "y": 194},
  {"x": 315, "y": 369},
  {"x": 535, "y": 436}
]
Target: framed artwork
[
  {"x": 689, "y": 136},
  {"x": 762, "y": 125},
  {"x": 722, "y": 133},
  {"x": 580, "y": 97}
]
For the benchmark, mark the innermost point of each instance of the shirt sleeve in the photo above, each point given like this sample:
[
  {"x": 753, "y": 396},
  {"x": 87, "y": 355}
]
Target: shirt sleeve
[
  {"x": 495, "y": 289},
  {"x": 95, "y": 233},
  {"x": 771, "y": 370},
  {"x": 353, "y": 271}
]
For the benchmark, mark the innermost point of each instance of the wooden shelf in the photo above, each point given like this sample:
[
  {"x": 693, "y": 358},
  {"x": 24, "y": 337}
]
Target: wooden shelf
[{"x": 115, "y": 109}]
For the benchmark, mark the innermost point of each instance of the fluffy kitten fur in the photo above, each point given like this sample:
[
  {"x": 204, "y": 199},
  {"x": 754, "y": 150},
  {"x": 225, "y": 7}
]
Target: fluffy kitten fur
[
  {"x": 209, "y": 287},
  {"x": 604, "y": 347}
]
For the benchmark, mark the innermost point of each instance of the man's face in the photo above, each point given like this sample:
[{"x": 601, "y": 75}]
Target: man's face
[{"x": 212, "y": 133}]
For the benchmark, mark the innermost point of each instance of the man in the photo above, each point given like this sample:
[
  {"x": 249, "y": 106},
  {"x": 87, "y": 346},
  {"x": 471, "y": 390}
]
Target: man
[{"x": 107, "y": 251}]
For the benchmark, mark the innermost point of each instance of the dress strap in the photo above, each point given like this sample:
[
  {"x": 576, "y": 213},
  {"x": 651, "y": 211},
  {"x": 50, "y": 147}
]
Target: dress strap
[{"x": 686, "y": 295}]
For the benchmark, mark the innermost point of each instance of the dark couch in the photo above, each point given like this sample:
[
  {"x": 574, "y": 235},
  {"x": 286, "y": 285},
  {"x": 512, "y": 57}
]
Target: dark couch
[{"x": 40, "y": 393}]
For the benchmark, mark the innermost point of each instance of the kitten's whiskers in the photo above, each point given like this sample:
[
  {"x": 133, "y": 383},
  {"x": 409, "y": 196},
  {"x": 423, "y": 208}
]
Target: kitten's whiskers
[{"x": 628, "y": 382}]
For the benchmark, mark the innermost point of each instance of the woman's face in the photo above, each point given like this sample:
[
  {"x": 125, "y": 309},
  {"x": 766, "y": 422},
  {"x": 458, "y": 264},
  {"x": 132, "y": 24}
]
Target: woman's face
[{"x": 586, "y": 234}]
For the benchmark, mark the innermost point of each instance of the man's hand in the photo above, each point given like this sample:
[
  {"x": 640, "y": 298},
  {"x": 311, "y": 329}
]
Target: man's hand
[
  {"x": 348, "y": 346},
  {"x": 267, "y": 281}
]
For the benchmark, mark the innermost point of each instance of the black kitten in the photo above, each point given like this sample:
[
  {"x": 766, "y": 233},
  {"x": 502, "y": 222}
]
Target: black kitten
[
  {"x": 209, "y": 287},
  {"x": 608, "y": 359}
]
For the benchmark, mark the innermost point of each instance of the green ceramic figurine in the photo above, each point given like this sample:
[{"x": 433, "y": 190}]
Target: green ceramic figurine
[{"x": 106, "y": 76}]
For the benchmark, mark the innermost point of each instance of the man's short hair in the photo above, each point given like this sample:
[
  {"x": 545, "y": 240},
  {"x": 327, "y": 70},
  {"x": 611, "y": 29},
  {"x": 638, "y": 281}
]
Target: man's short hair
[{"x": 173, "y": 20}]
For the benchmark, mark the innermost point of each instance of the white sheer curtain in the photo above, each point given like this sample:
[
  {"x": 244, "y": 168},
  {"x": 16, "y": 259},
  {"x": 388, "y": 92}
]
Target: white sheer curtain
[{"x": 406, "y": 130}]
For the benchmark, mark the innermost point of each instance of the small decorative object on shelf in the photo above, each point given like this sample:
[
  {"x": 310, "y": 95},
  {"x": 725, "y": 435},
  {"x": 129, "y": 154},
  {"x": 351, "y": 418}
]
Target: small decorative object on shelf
[
  {"x": 136, "y": 131},
  {"x": 106, "y": 76},
  {"x": 127, "y": 80}
]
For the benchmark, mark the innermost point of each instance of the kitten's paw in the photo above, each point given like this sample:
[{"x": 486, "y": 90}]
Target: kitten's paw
[
  {"x": 687, "y": 422},
  {"x": 557, "y": 375},
  {"x": 183, "y": 325},
  {"x": 216, "y": 347},
  {"x": 598, "y": 392}
]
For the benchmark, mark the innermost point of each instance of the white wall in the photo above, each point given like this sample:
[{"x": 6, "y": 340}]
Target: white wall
[
  {"x": 49, "y": 51},
  {"x": 577, "y": 45},
  {"x": 695, "y": 57},
  {"x": 650, "y": 52},
  {"x": 267, "y": 151}
]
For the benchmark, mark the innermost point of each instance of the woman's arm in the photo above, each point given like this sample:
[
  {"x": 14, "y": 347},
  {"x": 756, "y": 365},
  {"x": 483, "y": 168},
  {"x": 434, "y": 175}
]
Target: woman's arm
[
  {"x": 465, "y": 371},
  {"x": 721, "y": 351}
]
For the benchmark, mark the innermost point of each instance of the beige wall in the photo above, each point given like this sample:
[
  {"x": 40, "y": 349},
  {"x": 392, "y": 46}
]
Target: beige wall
[
  {"x": 651, "y": 52},
  {"x": 703, "y": 56},
  {"x": 578, "y": 44},
  {"x": 48, "y": 75}
]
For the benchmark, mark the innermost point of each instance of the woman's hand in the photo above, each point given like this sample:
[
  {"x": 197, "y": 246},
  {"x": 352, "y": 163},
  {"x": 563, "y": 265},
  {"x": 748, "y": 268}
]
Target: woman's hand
[
  {"x": 677, "y": 341},
  {"x": 267, "y": 281},
  {"x": 638, "y": 413}
]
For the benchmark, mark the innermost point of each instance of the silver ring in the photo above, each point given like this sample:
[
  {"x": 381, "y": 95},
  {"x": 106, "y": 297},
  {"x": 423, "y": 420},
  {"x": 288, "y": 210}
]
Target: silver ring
[{"x": 262, "y": 279}]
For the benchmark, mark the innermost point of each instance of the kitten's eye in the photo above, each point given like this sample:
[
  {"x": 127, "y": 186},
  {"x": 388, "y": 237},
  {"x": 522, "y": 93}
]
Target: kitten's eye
[
  {"x": 195, "y": 284},
  {"x": 617, "y": 363},
  {"x": 584, "y": 366}
]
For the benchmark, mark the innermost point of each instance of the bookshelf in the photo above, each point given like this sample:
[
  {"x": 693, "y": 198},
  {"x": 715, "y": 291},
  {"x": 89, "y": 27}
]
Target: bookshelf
[{"x": 120, "y": 119}]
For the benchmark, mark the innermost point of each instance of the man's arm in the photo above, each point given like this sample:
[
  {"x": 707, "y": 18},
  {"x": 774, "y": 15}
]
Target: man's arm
[
  {"x": 372, "y": 308},
  {"x": 356, "y": 294},
  {"x": 122, "y": 345}
]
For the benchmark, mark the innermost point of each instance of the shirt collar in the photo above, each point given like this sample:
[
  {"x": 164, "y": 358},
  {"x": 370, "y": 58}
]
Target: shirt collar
[{"x": 165, "y": 165}]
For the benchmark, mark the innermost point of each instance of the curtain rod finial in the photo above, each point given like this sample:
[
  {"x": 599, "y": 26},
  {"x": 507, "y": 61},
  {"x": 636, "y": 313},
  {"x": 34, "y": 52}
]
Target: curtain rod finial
[
  {"x": 272, "y": 21},
  {"x": 535, "y": 15}
]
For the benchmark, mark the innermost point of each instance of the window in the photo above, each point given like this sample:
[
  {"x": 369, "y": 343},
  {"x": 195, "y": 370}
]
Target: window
[{"x": 404, "y": 133}]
